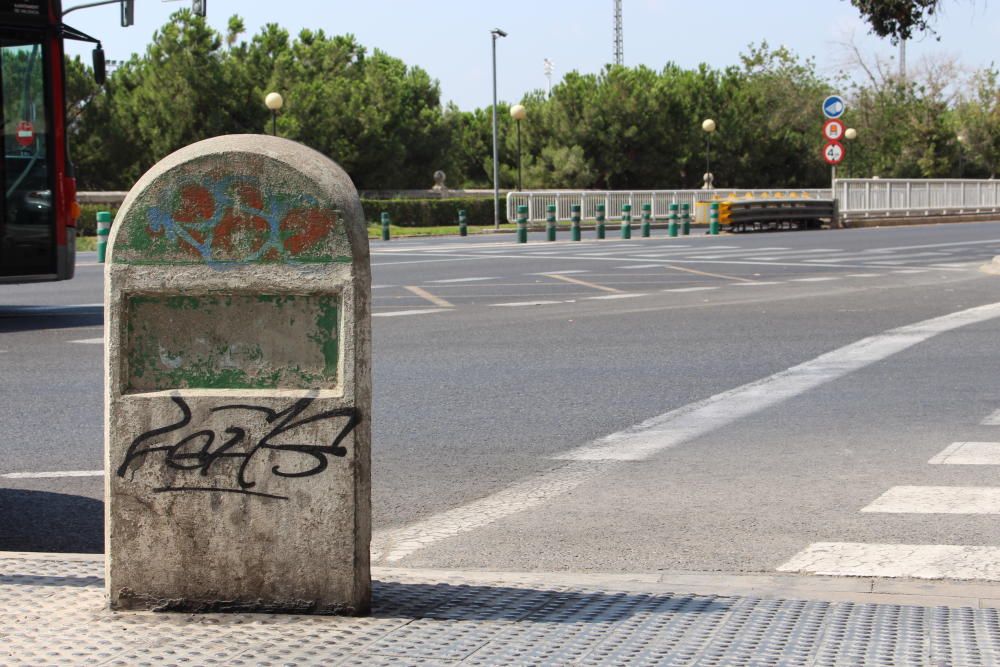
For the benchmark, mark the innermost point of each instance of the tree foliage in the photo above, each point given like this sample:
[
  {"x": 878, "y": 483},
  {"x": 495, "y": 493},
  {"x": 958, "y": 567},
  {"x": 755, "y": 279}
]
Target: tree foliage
[{"x": 897, "y": 19}]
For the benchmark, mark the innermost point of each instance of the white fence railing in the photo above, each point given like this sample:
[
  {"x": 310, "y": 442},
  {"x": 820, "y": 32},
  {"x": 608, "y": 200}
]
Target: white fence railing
[
  {"x": 875, "y": 197},
  {"x": 538, "y": 201}
]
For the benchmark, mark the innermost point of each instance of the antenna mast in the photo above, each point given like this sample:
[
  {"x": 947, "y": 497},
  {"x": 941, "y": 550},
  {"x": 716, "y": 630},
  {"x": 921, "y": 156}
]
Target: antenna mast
[{"x": 619, "y": 47}]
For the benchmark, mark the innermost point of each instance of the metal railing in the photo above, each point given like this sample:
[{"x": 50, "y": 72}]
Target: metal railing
[
  {"x": 884, "y": 197},
  {"x": 538, "y": 201}
]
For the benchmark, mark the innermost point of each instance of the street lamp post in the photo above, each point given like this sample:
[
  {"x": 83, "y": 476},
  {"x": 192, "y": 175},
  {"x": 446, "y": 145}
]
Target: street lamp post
[
  {"x": 708, "y": 126},
  {"x": 518, "y": 113},
  {"x": 495, "y": 33},
  {"x": 850, "y": 134},
  {"x": 273, "y": 102}
]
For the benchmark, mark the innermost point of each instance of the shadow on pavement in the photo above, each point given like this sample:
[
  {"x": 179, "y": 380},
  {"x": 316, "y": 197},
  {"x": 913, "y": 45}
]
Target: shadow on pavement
[
  {"x": 51, "y": 522},
  {"x": 34, "y": 318}
]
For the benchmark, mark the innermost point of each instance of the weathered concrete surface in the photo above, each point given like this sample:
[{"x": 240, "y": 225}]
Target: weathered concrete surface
[{"x": 238, "y": 384}]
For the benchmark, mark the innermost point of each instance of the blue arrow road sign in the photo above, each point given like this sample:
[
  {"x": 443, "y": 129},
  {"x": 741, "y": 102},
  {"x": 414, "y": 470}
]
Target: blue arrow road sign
[{"x": 833, "y": 106}]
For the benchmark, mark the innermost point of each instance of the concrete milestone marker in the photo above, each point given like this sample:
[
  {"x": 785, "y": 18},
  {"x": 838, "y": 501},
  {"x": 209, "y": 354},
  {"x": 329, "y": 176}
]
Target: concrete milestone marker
[{"x": 238, "y": 384}]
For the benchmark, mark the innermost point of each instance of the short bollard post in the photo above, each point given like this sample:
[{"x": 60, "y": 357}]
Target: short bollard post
[
  {"x": 463, "y": 225},
  {"x": 672, "y": 227},
  {"x": 626, "y": 221},
  {"x": 522, "y": 224},
  {"x": 238, "y": 385},
  {"x": 575, "y": 221},
  {"x": 385, "y": 225},
  {"x": 647, "y": 214},
  {"x": 713, "y": 219},
  {"x": 685, "y": 219},
  {"x": 600, "y": 221},
  {"x": 103, "y": 230},
  {"x": 550, "y": 222}
]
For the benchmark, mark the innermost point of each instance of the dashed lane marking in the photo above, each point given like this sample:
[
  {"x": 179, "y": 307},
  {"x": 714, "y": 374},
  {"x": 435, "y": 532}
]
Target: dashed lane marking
[
  {"x": 424, "y": 294},
  {"x": 612, "y": 296},
  {"x": 919, "y": 561},
  {"x": 969, "y": 453},
  {"x": 59, "y": 473},
  {"x": 89, "y": 341},
  {"x": 937, "y": 500},
  {"x": 992, "y": 420},
  {"x": 462, "y": 280},
  {"x": 401, "y": 313},
  {"x": 672, "y": 428},
  {"x": 577, "y": 281}
]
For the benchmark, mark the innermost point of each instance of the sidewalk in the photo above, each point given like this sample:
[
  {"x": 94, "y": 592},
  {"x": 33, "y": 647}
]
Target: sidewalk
[{"x": 52, "y": 613}]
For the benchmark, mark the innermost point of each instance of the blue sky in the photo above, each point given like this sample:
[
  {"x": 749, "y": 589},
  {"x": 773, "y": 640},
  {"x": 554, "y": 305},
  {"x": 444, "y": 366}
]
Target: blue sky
[{"x": 450, "y": 38}]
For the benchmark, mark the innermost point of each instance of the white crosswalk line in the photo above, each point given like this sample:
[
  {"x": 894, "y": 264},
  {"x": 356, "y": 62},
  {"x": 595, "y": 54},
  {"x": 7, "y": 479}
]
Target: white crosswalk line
[
  {"x": 691, "y": 289},
  {"x": 402, "y": 313},
  {"x": 461, "y": 280},
  {"x": 88, "y": 341},
  {"x": 969, "y": 453},
  {"x": 515, "y": 304},
  {"x": 815, "y": 280},
  {"x": 608, "y": 297},
  {"x": 756, "y": 283},
  {"x": 58, "y": 473},
  {"x": 937, "y": 500},
  {"x": 918, "y": 561},
  {"x": 637, "y": 266}
]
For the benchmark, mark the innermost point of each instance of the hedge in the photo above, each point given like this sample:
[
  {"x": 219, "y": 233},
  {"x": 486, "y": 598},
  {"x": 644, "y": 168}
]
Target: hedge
[
  {"x": 402, "y": 212},
  {"x": 430, "y": 212}
]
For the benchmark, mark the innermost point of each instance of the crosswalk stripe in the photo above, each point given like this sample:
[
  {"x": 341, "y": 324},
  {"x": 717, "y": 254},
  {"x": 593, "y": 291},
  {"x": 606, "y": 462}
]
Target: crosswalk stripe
[
  {"x": 918, "y": 561},
  {"x": 89, "y": 341},
  {"x": 969, "y": 453},
  {"x": 400, "y": 313},
  {"x": 691, "y": 289},
  {"x": 937, "y": 500},
  {"x": 814, "y": 280}
]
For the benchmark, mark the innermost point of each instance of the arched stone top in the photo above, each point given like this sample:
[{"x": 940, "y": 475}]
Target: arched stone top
[{"x": 241, "y": 200}]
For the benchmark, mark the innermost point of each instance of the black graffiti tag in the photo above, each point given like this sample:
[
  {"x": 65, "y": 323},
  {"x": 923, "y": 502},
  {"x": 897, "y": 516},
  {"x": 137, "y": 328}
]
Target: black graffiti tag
[{"x": 202, "y": 449}]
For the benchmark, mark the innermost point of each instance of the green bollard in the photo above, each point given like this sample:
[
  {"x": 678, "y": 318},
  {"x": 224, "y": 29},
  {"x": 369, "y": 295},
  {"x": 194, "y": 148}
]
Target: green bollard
[
  {"x": 103, "y": 231},
  {"x": 575, "y": 218},
  {"x": 600, "y": 221},
  {"x": 522, "y": 224},
  {"x": 550, "y": 222},
  {"x": 647, "y": 214},
  {"x": 685, "y": 219},
  {"x": 385, "y": 225},
  {"x": 713, "y": 219},
  {"x": 626, "y": 221},
  {"x": 672, "y": 227},
  {"x": 463, "y": 225}
]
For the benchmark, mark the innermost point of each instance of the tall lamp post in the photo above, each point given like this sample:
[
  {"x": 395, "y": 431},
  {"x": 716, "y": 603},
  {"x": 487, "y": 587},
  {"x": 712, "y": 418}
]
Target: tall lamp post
[
  {"x": 850, "y": 134},
  {"x": 708, "y": 127},
  {"x": 273, "y": 102},
  {"x": 495, "y": 33},
  {"x": 518, "y": 113}
]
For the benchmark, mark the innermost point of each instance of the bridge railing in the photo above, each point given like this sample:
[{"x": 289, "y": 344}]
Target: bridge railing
[
  {"x": 538, "y": 201},
  {"x": 892, "y": 197}
]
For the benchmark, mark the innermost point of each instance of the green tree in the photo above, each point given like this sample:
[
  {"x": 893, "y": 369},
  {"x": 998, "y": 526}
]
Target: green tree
[{"x": 897, "y": 19}]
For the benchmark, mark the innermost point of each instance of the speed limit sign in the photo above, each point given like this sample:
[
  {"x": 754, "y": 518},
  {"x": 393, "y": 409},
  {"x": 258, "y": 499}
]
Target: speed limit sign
[
  {"x": 833, "y": 152},
  {"x": 833, "y": 130}
]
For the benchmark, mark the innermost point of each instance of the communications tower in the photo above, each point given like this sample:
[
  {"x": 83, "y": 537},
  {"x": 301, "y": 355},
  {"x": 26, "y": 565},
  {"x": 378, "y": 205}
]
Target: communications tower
[{"x": 619, "y": 47}]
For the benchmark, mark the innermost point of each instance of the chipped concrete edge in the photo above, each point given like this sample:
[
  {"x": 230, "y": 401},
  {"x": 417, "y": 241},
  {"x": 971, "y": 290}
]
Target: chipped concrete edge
[
  {"x": 992, "y": 268},
  {"x": 920, "y": 593}
]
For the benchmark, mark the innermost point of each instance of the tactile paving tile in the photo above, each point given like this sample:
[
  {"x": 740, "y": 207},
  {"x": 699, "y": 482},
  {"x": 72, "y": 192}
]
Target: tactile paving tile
[{"x": 53, "y": 613}]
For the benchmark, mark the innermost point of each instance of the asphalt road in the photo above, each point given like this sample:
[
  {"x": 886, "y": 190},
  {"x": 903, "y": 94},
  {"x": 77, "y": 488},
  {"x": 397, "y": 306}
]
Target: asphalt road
[{"x": 493, "y": 360}]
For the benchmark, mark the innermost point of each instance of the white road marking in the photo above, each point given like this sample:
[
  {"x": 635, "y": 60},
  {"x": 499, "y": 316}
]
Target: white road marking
[
  {"x": 919, "y": 561},
  {"x": 670, "y": 429},
  {"x": 462, "y": 280},
  {"x": 49, "y": 309},
  {"x": 89, "y": 341},
  {"x": 814, "y": 280},
  {"x": 969, "y": 453},
  {"x": 424, "y": 294},
  {"x": 422, "y": 311},
  {"x": 514, "y": 304},
  {"x": 549, "y": 273},
  {"x": 953, "y": 265},
  {"x": 864, "y": 275},
  {"x": 690, "y": 289},
  {"x": 60, "y": 473},
  {"x": 756, "y": 283},
  {"x": 691, "y": 421},
  {"x": 607, "y": 297},
  {"x": 638, "y": 266},
  {"x": 937, "y": 500},
  {"x": 381, "y": 286},
  {"x": 992, "y": 420},
  {"x": 911, "y": 271}
]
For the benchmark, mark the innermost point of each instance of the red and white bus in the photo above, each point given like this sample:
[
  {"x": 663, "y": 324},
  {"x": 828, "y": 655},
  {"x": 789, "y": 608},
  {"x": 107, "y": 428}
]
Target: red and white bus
[{"x": 39, "y": 212}]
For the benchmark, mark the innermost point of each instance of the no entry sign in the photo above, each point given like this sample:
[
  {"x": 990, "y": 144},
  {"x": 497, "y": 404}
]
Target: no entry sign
[
  {"x": 833, "y": 130},
  {"x": 25, "y": 134},
  {"x": 833, "y": 153}
]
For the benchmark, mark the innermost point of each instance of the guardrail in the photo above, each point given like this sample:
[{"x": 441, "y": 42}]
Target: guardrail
[
  {"x": 890, "y": 198},
  {"x": 785, "y": 213},
  {"x": 537, "y": 201}
]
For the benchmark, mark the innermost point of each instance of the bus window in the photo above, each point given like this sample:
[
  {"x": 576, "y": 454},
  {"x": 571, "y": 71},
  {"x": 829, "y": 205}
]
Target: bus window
[{"x": 27, "y": 223}]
